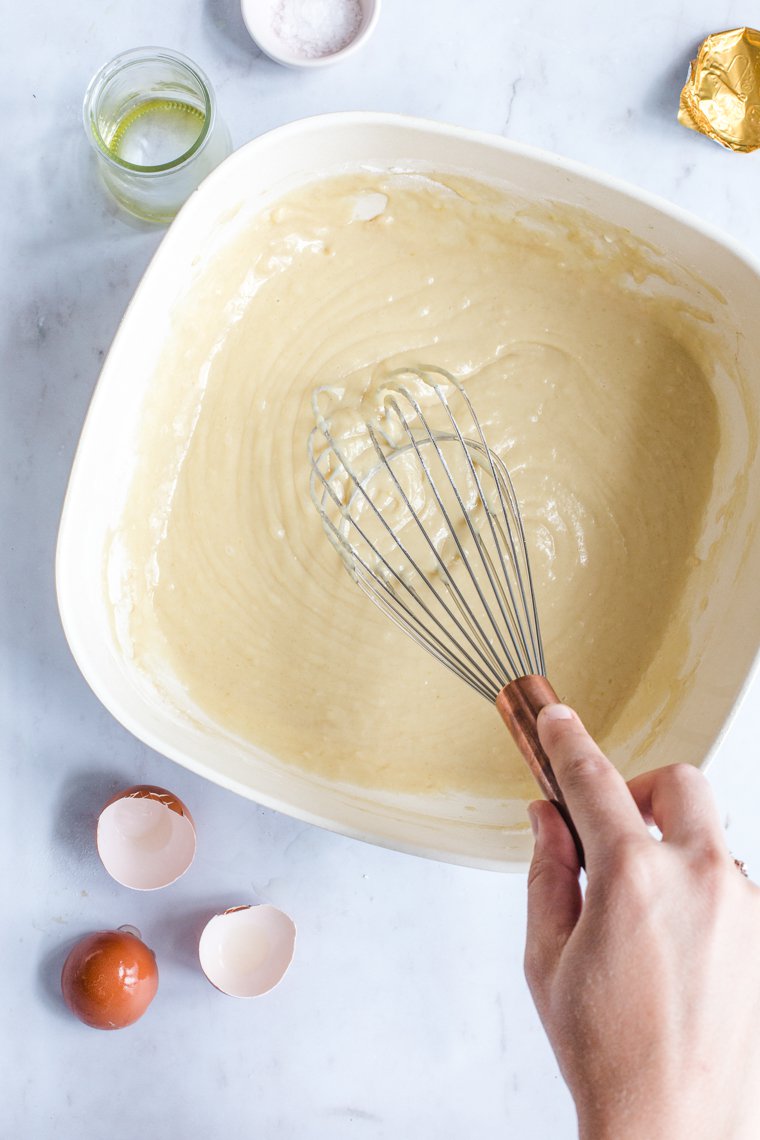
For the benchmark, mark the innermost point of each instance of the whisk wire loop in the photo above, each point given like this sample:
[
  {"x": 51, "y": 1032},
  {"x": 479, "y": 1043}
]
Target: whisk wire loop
[
  {"x": 523, "y": 572},
  {"x": 513, "y": 625},
  {"x": 426, "y": 519},
  {"x": 383, "y": 593},
  {"x": 450, "y": 582},
  {"x": 476, "y": 636}
]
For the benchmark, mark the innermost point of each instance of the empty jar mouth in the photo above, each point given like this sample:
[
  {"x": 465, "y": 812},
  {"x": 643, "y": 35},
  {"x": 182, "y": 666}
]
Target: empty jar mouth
[{"x": 127, "y": 86}]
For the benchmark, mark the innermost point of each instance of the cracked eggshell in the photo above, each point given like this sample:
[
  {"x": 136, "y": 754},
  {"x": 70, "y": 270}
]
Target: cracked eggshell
[
  {"x": 145, "y": 837},
  {"x": 245, "y": 951}
]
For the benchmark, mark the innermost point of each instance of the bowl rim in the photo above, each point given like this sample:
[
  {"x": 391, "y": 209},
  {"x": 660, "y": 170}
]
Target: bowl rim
[{"x": 67, "y": 534}]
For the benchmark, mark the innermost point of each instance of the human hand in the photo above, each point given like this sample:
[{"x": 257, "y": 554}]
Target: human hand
[{"x": 649, "y": 986}]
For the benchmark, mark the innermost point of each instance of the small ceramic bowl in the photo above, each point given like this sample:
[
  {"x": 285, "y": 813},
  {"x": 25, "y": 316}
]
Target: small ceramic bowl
[{"x": 288, "y": 33}]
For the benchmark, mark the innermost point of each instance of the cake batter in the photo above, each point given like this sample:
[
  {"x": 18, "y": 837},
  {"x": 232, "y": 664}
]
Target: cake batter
[{"x": 587, "y": 387}]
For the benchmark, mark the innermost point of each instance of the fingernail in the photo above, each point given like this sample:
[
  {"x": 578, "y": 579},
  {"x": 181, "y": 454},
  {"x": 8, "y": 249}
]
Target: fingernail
[
  {"x": 556, "y": 712},
  {"x": 533, "y": 817}
]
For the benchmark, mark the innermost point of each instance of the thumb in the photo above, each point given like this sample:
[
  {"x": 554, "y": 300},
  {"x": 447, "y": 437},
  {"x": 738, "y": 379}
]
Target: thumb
[{"x": 554, "y": 897}]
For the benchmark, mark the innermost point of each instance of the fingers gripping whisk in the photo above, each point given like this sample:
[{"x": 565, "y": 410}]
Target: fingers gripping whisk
[{"x": 425, "y": 518}]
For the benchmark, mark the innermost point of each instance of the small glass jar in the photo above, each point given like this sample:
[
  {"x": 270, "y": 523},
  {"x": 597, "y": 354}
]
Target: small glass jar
[{"x": 151, "y": 117}]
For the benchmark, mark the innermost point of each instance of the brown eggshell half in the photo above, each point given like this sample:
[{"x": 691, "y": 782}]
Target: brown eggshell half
[
  {"x": 145, "y": 837},
  {"x": 245, "y": 951}
]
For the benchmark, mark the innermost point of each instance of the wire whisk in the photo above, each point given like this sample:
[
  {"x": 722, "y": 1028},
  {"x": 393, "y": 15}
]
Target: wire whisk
[{"x": 425, "y": 517}]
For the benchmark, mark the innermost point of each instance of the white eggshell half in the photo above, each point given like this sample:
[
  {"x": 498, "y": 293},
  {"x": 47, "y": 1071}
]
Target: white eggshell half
[
  {"x": 246, "y": 951},
  {"x": 145, "y": 838}
]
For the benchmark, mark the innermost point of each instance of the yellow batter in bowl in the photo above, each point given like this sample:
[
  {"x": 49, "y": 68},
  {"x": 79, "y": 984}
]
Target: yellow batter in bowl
[{"x": 589, "y": 385}]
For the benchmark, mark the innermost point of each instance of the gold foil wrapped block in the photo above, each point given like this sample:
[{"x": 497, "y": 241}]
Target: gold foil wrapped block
[{"x": 722, "y": 94}]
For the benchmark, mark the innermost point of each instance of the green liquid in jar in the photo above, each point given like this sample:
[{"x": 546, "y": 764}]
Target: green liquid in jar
[{"x": 156, "y": 132}]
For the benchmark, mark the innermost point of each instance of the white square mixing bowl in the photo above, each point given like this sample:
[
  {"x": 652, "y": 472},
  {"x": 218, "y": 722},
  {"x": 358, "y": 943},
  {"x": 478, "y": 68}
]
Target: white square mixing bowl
[{"x": 725, "y": 633}]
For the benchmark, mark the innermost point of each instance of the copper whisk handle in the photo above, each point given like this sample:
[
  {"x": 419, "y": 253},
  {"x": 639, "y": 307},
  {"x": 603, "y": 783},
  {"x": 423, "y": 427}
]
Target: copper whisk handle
[{"x": 519, "y": 704}]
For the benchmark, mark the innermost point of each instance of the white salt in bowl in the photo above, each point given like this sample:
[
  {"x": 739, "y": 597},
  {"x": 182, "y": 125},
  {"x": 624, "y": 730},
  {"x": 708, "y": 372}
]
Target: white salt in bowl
[{"x": 310, "y": 33}]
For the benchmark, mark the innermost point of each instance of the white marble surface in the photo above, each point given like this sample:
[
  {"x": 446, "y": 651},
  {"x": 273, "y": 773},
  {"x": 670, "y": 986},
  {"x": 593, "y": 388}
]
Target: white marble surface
[{"x": 405, "y": 1013}]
